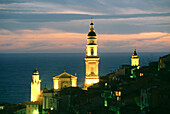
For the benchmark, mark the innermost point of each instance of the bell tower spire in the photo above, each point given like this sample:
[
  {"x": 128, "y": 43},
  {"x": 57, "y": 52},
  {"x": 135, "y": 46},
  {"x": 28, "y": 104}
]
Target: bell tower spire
[
  {"x": 91, "y": 25},
  {"x": 91, "y": 19},
  {"x": 91, "y": 60}
]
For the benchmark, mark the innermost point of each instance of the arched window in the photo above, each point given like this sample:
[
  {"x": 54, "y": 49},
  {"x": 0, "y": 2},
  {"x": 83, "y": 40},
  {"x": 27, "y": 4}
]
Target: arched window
[{"x": 92, "y": 52}]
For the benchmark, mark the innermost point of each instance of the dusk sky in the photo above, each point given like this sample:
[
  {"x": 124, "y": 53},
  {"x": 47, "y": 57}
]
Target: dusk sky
[{"x": 57, "y": 26}]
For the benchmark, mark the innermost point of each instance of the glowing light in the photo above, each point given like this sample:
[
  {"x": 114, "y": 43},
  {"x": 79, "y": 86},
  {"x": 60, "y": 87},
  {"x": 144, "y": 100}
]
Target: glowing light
[
  {"x": 141, "y": 74},
  {"x": 118, "y": 93},
  {"x": 95, "y": 54},
  {"x": 35, "y": 112},
  {"x": 105, "y": 103},
  {"x": 91, "y": 81},
  {"x": 1, "y": 107},
  {"x": 56, "y": 87},
  {"x": 131, "y": 76},
  {"x": 74, "y": 83},
  {"x": 88, "y": 82},
  {"x": 35, "y": 91},
  {"x": 96, "y": 81},
  {"x": 55, "y": 84},
  {"x": 134, "y": 61},
  {"x": 88, "y": 54}
]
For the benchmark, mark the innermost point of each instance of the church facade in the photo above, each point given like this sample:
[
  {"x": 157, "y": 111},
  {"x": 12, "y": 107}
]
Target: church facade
[{"x": 64, "y": 80}]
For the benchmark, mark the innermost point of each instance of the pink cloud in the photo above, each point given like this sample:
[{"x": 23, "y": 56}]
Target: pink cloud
[{"x": 48, "y": 39}]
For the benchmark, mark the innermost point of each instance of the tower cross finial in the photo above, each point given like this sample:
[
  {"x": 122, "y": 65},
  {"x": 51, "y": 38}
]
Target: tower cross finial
[{"x": 91, "y": 19}]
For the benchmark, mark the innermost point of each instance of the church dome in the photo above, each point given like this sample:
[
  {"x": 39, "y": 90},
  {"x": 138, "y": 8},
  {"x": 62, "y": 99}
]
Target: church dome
[
  {"x": 91, "y": 33},
  {"x": 91, "y": 23},
  {"x": 35, "y": 71}
]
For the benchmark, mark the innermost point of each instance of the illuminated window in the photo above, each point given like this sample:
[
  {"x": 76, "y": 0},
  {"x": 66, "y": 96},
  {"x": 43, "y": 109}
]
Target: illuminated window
[
  {"x": 141, "y": 74},
  {"x": 118, "y": 93},
  {"x": 160, "y": 66}
]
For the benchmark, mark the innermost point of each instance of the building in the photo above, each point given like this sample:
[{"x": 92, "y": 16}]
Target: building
[
  {"x": 92, "y": 59},
  {"x": 135, "y": 59},
  {"x": 123, "y": 70},
  {"x": 49, "y": 100},
  {"x": 28, "y": 108},
  {"x": 20, "y": 111},
  {"x": 151, "y": 70},
  {"x": 164, "y": 62},
  {"x": 64, "y": 80},
  {"x": 134, "y": 63},
  {"x": 32, "y": 107},
  {"x": 35, "y": 86},
  {"x": 67, "y": 98}
]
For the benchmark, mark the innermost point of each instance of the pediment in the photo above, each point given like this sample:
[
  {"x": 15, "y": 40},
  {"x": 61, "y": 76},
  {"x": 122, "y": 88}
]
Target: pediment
[{"x": 65, "y": 75}]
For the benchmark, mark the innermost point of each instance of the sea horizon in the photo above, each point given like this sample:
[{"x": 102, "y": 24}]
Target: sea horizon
[
  {"x": 80, "y": 52},
  {"x": 16, "y": 69}
]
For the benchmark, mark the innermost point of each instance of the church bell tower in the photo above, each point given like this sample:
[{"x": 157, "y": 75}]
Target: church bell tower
[
  {"x": 92, "y": 59},
  {"x": 35, "y": 86},
  {"x": 135, "y": 59}
]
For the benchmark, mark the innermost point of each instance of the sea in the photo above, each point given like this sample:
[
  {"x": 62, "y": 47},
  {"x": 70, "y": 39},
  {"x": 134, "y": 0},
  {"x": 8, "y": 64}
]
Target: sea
[{"x": 16, "y": 69}]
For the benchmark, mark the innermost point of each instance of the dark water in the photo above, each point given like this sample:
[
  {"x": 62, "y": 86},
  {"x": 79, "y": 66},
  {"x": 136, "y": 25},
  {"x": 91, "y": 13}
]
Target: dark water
[{"x": 16, "y": 69}]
